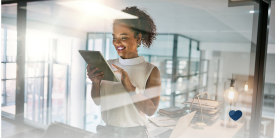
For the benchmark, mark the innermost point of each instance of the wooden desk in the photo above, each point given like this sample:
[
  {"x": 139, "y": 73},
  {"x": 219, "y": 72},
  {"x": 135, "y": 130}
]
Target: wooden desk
[{"x": 214, "y": 131}]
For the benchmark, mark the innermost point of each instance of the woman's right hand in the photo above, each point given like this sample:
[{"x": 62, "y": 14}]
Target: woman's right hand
[{"x": 94, "y": 77}]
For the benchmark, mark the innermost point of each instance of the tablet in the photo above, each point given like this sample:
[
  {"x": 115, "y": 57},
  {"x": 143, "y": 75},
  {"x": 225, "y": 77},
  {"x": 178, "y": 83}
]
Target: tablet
[{"x": 96, "y": 59}]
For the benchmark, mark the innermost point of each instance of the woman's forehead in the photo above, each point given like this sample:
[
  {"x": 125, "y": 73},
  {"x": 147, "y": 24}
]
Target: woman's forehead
[{"x": 121, "y": 29}]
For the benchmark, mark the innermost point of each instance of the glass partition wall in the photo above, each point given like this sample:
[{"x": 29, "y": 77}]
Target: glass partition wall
[
  {"x": 199, "y": 47},
  {"x": 8, "y": 60}
]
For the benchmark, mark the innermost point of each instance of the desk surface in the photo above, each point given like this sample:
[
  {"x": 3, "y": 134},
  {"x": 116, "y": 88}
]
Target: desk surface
[{"x": 214, "y": 131}]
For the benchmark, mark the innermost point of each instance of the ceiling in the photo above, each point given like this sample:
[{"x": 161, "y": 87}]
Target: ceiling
[{"x": 203, "y": 20}]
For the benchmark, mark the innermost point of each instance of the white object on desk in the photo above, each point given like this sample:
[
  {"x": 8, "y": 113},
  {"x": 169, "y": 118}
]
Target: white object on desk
[
  {"x": 214, "y": 131},
  {"x": 181, "y": 125},
  {"x": 162, "y": 121},
  {"x": 265, "y": 123}
]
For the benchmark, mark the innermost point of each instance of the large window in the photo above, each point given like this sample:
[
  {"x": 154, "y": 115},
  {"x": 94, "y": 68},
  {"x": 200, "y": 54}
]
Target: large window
[
  {"x": 8, "y": 63},
  {"x": 47, "y": 78},
  {"x": 47, "y": 75}
]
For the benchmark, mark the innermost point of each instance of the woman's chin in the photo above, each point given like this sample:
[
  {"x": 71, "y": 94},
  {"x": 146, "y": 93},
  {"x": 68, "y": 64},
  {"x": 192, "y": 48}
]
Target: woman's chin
[{"x": 121, "y": 54}]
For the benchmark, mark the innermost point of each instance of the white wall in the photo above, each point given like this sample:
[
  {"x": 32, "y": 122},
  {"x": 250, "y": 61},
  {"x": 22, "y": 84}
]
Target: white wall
[{"x": 230, "y": 47}]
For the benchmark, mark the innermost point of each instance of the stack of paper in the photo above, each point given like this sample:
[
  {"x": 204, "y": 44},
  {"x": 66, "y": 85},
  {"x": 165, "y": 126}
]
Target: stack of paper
[
  {"x": 162, "y": 121},
  {"x": 210, "y": 109},
  {"x": 171, "y": 111},
  {"x": 204, "y": 103}
]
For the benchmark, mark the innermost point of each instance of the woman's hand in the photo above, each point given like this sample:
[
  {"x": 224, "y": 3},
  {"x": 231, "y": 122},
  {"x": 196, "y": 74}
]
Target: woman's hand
[
  {"x": 94, "y": 77},
  {"x": 124, "y": 79}
]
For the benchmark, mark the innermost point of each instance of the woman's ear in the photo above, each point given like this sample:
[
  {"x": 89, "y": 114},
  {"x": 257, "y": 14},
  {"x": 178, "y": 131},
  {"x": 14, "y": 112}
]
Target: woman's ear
[{"x": 139, "y": 38}]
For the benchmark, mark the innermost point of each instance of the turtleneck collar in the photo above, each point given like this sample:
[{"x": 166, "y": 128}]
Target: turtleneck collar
[{"x": 131, "y": 61}]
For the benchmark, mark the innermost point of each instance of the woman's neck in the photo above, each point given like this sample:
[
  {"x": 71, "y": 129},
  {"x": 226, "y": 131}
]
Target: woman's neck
[{"x": 132, "y": 55}]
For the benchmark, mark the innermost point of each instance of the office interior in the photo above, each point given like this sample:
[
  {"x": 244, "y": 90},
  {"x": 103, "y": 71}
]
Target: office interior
[{"x": 200, "y": 46}]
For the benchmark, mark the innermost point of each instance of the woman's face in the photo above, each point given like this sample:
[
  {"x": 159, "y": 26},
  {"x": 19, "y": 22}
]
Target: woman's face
[{"x": 124, "y": 41}]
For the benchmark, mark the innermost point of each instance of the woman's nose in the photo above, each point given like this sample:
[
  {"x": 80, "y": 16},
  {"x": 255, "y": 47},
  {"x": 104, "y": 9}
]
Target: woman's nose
[{"x": 117, "y": 42}]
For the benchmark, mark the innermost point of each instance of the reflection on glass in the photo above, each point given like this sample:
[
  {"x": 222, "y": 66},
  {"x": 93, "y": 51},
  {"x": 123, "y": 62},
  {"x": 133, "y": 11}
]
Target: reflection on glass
[
  {"x": 3, "y": 71},
  {"x": 194, "y": 69},
  {"x": 179, "y": 100},
  {"x": 182, "y": 84},
  {"x": 162, "y": 47},
  {"x": 11, "y": 70},
  {"x": 268, "y": 109},
  {"x": 10, "y": 91},
  {"x": 195, "y": 51},
  {"x": 193, "y": 82},
  {"x": 59, "y": 92},
  {"x": 63, "y": 50},
  {"x": 8, "y": 65},
  {"x": 2, "y": 93},
  {"x": 164, "y": 102},
  {"x": 110, "y": 50},
  {"x": 169, "y": 67},
  {"x": 11, "y": 45},
  {"x": 183, "y": 67},
  {"x": 93, "y": 112},
  {"x": 183, "y": 47}
]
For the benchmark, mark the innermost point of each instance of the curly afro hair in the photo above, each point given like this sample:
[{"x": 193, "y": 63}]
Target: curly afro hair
[{"x": 144, "y": 25}]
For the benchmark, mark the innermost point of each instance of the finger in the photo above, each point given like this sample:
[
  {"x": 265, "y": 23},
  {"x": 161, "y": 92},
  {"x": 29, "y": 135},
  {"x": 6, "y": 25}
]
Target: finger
[
  {"x": 88, "y": 66},
  {"x": 92, "y": 72},
  {"x": 95, "y": 69},
  {"x": 116, "y": 67},
  {"x": 100, "y": 73},
  {"x": 117, "y": 71},
  {"x": 100, "y": 76},
  {"x": 97, "y": 74}
]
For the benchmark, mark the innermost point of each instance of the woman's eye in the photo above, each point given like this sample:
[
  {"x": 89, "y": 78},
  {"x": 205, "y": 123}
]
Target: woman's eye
[
  {"x": 124, "y": 38},
  {"x": 114, "y": 38}
]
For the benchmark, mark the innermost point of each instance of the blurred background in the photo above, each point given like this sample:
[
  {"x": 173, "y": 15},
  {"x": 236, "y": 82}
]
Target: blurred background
[{"x": 213, "y": 41}]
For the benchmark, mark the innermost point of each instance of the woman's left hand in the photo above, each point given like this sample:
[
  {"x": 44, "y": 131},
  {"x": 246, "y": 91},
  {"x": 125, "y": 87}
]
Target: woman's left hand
[{"x": 124, "y": 79}]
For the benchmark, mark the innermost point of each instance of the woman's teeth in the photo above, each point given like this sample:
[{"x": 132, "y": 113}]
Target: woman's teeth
[{"x": 120, "y": 48}]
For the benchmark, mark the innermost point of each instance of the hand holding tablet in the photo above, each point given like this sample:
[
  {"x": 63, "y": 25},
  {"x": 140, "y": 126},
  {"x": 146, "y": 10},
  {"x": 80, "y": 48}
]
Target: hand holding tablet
[
  {"x": 94, "y": 76},
  {"x": 97, "y": 65}
]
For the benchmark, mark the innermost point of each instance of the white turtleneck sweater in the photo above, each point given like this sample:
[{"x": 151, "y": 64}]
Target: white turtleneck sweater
[{"x": 117, "y": 107}]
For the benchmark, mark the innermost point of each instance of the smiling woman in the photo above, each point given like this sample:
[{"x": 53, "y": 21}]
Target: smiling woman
[
  {"x": 128, "y": 34},
  {"x": 125, "y": 104}
]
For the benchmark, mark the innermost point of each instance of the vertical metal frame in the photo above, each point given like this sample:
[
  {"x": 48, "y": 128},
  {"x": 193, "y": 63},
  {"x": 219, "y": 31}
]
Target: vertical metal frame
[
  {"x": 174, "y": 70},
  {"x": 68, "y": 92},
  {"x": 199, "y": 70},
  {"x": 42, "y": 91},
  {"x": 4, "y": 69},
  {"x": 33, "y": 92},
  {"x": 104, "y": 44},
  {"x": 67, "y": 88},
  {"x": 50, "y": 81},
  {"x": 20, "y": 61},
  {"x": 218, "y": 71},
  {"x": 189, "y": 66},
  {"x": 260, "y": 65},
  {"x": 85, "y": 86}
]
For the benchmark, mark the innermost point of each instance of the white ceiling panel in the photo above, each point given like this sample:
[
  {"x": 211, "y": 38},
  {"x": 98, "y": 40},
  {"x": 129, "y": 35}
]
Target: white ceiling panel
[{"x": 203, "y": 20}]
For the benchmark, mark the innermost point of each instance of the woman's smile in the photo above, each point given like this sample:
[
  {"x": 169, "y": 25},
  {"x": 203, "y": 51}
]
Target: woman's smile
[{"x": 120, "y": 48}]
